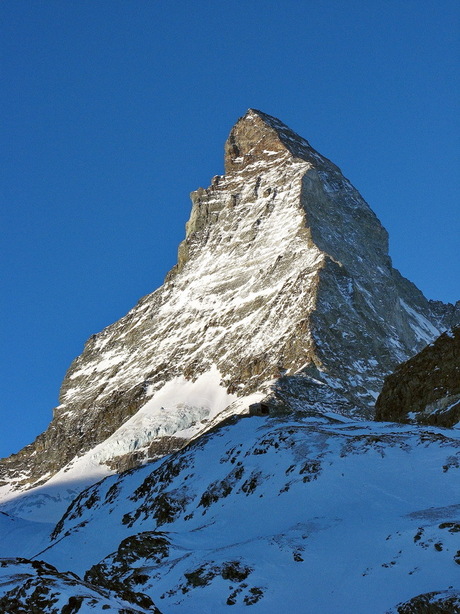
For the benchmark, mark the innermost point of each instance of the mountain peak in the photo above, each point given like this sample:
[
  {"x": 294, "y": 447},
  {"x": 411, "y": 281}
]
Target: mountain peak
[
  {"x": 283, "y": 305},
  {"x": 260, "y": 137},
  {"x": 283, "y": 290}
]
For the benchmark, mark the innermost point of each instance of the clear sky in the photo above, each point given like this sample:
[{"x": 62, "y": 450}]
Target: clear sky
[{"x": 113, "y": 111}]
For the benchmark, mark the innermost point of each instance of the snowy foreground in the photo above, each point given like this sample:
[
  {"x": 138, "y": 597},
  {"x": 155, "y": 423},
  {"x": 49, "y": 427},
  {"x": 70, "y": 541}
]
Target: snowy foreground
[{"x": 301, "y": 514}]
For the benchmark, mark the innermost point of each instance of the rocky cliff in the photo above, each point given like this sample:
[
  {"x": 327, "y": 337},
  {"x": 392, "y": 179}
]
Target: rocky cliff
[
  {"x": 426, "y": 388},
  {"x": 283, "y": 294}
]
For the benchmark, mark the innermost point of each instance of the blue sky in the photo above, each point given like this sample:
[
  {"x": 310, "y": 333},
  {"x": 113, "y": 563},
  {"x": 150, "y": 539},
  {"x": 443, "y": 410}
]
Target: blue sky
[{"x": 113, "y": 111}]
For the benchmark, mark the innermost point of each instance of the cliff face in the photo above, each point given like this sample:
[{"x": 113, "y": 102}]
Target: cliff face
[
  {"x": 426, "y": 388},
  {"x": 283, "y": 293}
]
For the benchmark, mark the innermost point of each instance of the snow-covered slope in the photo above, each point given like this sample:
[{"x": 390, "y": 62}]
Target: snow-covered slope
[
  {"x": 179, "y": 411},
  {"x": 305, "y": 514},
  {"x": 284, "y": 273}
]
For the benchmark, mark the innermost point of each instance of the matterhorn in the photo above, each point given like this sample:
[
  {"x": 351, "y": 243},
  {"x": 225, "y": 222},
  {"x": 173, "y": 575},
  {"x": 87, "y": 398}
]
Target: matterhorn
[{"x": 217, "y": 448}]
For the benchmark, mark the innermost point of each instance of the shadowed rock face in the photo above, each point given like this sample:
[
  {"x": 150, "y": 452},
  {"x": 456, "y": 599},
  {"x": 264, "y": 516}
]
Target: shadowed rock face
[
  {"x": 284, "y": 273},
  {"x": 426, "y": 388}
]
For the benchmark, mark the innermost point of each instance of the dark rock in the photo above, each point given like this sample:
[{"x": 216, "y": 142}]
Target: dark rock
[
  {"x": 442, "y": 602},
  {"x": 426, "y": 388},
  {"x": 35, "y": 587}
]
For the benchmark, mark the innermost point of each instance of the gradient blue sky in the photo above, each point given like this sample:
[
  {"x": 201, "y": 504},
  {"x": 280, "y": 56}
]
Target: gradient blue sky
[{"x": 113, "y": 111}]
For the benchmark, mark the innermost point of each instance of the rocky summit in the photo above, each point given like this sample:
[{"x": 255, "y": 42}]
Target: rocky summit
[{"x": 216, "y": 446}]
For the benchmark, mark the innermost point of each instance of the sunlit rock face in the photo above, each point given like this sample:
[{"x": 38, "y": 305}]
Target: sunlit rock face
[
  {"x": 426, "y": 388},
  {"x": 283, "y": 293}
]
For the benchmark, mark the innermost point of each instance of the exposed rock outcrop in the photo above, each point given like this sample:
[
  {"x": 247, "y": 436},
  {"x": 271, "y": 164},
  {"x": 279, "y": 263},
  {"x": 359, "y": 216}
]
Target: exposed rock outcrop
[
  {"x": 436, "y": 602},
  {"x": 37, "y": 587},
  {"x": 426, "y": 388}
]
